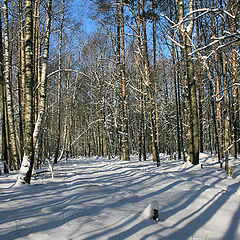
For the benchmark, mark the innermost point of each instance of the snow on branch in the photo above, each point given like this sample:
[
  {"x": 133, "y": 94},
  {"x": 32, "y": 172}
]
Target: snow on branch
[
  {"x": 204, "y": 12},
  {"x": 178, "y": 44},
  {"x": 68, "y": 70}
]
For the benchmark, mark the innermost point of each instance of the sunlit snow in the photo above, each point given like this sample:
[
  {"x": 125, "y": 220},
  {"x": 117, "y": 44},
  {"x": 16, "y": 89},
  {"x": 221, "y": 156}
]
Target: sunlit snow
[{"x": 97, "y": 198}]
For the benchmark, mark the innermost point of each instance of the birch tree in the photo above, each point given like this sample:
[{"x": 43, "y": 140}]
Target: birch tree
[
  {"x": 10, "y": 113},
  {"x": 3, "y": 105},
  {"x": 25, "y": 172},
  {"x": 42, "y": 104},
  {"x": 59, "y": 97}
]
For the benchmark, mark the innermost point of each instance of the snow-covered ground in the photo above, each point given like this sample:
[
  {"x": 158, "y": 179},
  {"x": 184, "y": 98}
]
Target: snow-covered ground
[{"x": 96, "y": 198}]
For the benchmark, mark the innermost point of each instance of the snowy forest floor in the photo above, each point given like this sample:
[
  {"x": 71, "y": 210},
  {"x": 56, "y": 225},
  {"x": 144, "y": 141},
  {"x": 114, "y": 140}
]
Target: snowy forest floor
[{"x": 97, "y": 198}]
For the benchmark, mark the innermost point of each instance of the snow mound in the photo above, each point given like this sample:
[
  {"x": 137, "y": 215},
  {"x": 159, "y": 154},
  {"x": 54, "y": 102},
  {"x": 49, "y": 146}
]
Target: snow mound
[
  {"x": 189, "y": 166},
  {"x": 51, "y": 209},
  {"x": 150, "y": 211},
  {"x": 185, "y": 165}
]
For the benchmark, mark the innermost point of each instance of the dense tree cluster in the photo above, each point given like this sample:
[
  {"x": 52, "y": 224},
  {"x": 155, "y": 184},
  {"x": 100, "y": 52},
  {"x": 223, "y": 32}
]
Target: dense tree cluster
[{"x": 151, "y": 77}]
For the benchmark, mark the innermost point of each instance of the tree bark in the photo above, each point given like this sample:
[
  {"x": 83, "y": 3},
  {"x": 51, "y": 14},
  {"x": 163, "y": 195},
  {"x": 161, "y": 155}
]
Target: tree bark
[
  {"x": 154, "y": 27},
  {"x": 21, "y": 80},
  {"x": 227, "y": 130},
  {"x": 214, "y": 119},
  {"x": 10, "y": 113},
  {"x": 235, "y": 82},
  {"x": 25, "y": 173},
  {"x": 141, "y": 140},
  {"x": 192, "y": 94},
  {"x": 200, "y": 87},
  {"x": 3, "y": 104},
  {"x": 175, "y": 76},
  {"x": 176, "y": 102},
  {"x": 125, "y": 134},
  {"x": 218, "y": 88},
  {"x": 59, "y": 97},
  {"x": 37, "y": 56},
  {"x": 227, "y": 141},
  {"x": 42, "y": 102},
  {"x": 147, "y": 72}
]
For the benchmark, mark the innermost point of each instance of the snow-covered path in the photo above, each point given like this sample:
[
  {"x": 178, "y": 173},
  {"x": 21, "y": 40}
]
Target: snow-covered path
[{"x": 95, "y": 198}]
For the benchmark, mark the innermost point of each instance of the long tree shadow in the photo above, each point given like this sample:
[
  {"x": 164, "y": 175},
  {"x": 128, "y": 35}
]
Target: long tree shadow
[
  {"x": 194, "y": 194},
  {"x": 233, "y": 226},
  {"x": 202, "y": 217},
  {"x": 73, "y": 192},
  {"x": 24, "y": 212}
]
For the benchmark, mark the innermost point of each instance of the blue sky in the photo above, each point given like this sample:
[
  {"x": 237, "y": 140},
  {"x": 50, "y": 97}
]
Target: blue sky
[{"x": 82, "y": 8}]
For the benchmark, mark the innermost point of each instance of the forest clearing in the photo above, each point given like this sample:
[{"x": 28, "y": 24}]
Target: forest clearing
[
  {"x": 97, "y": 198},
  {"x": 119, "y": 119}
]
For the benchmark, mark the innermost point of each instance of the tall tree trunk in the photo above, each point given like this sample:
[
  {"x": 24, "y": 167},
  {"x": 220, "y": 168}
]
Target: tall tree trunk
[
  {"x": 25, "y": 172},
  {"x": 236, "y": 88},
  {"x": 147, "y": 70},
  {"x": 37, "y": 57},
  {"x": 200, "y": 88},
  {"x": 59, "y": 98},
  {"x": 20, "y": 109},
  {"x": 181, "y": 114},
  {"x": 175, "y": 76},
  {"x": 141, "y": 141},
  {"x": 226, "y": 113},
  {"x": 67, "y": 109},
  {"x": 125, "y": 134},
  {"x": 218, "y": 87},
  {"x": 22, "y": 83},
  {"x": 192, "y": 94},
  {"x": 154, "y": 22},
  {"x": 119, "y": 145},
  {"x": 3, "y": 104},
  {"x": 42, "y": 103},
  {"x": 182, "y": 73},
  {"x": 214, "y": 119},
  {"x": 227, "y": 141},
  {"x": 10, "y": 112},
  {"x": 176, "y": 102}
]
